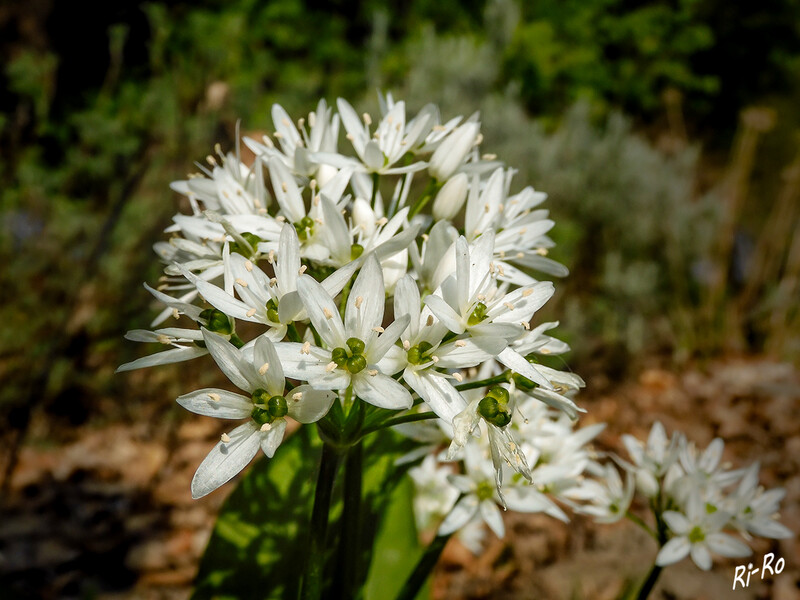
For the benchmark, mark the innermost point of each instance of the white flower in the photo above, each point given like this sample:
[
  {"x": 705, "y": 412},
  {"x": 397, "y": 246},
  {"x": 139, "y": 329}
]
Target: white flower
[
  {"x": 181, "y": 340},
  {"x": 480, "y": 497},
  {"x": 755, "y": 510},
  {"x": 434, "y": 495},
  {"x": 698, "y": 534},
  {"x": 609, "y": 499},
  {"x": 266, "y": 407},
  {"x": 652, "y": 461},
  {"x": 353, "y": 348},
  {"x": 377, "y": 152}
]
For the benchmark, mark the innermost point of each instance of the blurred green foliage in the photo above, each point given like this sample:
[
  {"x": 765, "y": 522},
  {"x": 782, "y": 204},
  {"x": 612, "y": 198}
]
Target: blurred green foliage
[{"x": 93, "y": 126}]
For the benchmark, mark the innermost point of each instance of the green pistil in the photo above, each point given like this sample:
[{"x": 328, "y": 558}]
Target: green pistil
[
  {"x": 350, "y": 358},
  {"x": 217, "y": 321},
  {"x": 696, "y": 535},
  {"x": 418, "y": 353},
  {"x": 356, "y": 345},
  {"x": 494, "y": 407},
  {"x": 268, "y": 408},
  {"x": 250, "y": 238},
  {"x": 304, "y": 227},
  {"x": 478, "y": 314},
  {"x": 272, "y": 311},
  {"x": 356, "y": 250},
  {"x": 485, "y": 491},
  {"x": 356, "y": 363},
  {"x": 710, "y": 508}
]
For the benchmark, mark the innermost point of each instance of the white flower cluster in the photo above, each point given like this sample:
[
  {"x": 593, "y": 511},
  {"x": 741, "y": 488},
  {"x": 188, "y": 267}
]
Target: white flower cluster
[
  {"x": 463, "y": 500},
  {"x": 696, "y": 498},
  {"x": 392, "y": 278}
]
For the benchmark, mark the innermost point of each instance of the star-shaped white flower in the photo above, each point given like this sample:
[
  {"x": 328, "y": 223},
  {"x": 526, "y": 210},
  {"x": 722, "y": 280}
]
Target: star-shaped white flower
[
  {"x": 265, "y": 407},
  {"x": 352, "y": 349}
]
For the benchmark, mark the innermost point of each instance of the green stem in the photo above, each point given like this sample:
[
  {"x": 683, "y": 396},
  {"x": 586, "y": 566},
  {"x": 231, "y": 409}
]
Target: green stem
[
  {"x": 649, "y": 583},
  {"x": 313, "y": 579},
  {"x": 423, "y": 569},
  {"x": 504, "y": 377},
  {"x": 291, "y": 330},
  {"x": 427, "y": 195},
  {"x": 427, "y": 416},
  {"x": 640, "y": 522},
  {"x": 349, "y": 578}
]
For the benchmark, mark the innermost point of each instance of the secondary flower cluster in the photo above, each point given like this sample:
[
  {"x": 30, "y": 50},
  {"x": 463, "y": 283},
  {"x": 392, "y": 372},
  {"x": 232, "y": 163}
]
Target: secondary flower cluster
[
  {"x": 391, "y": 278},
  {"x": 697, "y": 501}
]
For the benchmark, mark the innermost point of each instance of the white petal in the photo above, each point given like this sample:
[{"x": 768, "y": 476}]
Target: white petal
[
  {"x": 701, "y": 556},
  {"x": 491, "y": 514},
  {"x": 311, "y": 405},
  {"x": 380, "y": 346},
  {"x": 440, "y": 395},
  {"x": 468, "y": 353},
  {"x": 214, "y": 402},
  {"x": 380, "y": 390},
  {"x": 163, "y": 358},
  {"x": 677, "y": 523},
  {"x": 322, "y": 311},
  {"x": 674, "y": 550},
  {"x": 462, "y": 512},
  {"x": 726, "y": 545},
  {"x": 226, "y": 460},
  {"x": 297, "y": 365},
  {"x": 266, "y": 359},
  {"x": 272, "y": 438},
  {"x": 445, "y": 313},
  {"x": 517, "y": 363},
  {"x": 290, "y": 200},
  {"x": 229, "y": 360},
  {"x": 335, "y": 232},
  {"x": 366, "y": 301},
  {"x": 288, "y": 261}
]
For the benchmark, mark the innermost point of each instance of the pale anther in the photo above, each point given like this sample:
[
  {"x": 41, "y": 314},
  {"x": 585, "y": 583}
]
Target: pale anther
[
  {"x": 302, "y": 269},
  {"x": 306, "y": 349},
  {"x": 225, "y": 438},
  {"x": 248, "y": 265},
  {"x": 263, "y": 368},
  {"x": 359, "y": 301},
  {"x": 297, "y": 396},
  {"x": 330, "y": 366},
  {"x": 241, "y": 282},
  {"x": 251, "y": 312},
  {"x": 460, "y": 343},
  {"x": 214, "y": 397},
  {"x": 378, "y": 329},
  {"x": 327, "y": 312}
]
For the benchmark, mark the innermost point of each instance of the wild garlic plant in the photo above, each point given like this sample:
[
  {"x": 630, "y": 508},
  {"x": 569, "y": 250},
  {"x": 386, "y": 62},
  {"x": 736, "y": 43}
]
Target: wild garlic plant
[{"x": 389, "y": 282}]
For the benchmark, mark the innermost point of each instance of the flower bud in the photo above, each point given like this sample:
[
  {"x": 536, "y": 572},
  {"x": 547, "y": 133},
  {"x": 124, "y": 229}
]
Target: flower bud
[
  {"x": 450, "y": 154},
  {"x": 363, "y": 216},
  {"x": 451, "y": 198}
]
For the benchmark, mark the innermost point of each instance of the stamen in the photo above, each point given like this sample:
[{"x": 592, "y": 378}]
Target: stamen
[
  {"x": 297, "y": 396},
  {"x": 359, "y": 301},
  {"x": 273, "y": 282},
  {"x": 330, "y": 367},
  {"x": 460, "y": 343},
  {"x": 285, "y": 187},
  {"x": 378, "y": 329},
  {"x": 372, "y": 372},
  {"x": 302, "y": 269},
  {"x": 406, "y": 345},
  {"x": 263, "y": 368},
  {"x": 164, "y": 339},
  {"x": 429, "y": 322},
  {"x": 527, "y": 292},
  {"x": 241, "y": 282},
  {"x": 458, "y": 377},
  {"x": 214, "y": 397},
  {"x": 225, "y": 438},
  {"x": 327, "y": 312},
  {"x": 248, "y": 265},
  {"x": 266, "y": 427},
  {"x": 306, "y": 349},
  {"x": 508, "y": 305},
  {"x": 251, "y": 312}
]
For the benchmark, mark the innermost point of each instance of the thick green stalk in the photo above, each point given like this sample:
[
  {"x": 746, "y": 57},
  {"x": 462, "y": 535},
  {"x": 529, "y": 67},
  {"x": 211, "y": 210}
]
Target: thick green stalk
[
  {"x": 649, "y": 583},
  {"x": 313, "y": 580},
  {"x": 423, "y": 569},
  {"x": 347, "y": 582}
]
